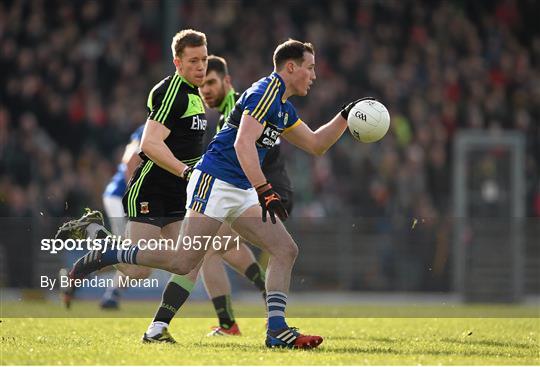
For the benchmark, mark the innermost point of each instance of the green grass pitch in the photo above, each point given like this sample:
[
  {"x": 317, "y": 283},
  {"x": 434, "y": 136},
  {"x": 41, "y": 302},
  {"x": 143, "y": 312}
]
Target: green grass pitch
[{"x": 54, "y": 336}]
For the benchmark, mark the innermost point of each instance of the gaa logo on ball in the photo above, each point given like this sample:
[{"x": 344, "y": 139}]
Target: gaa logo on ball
[{"x": 368, "y": 121}]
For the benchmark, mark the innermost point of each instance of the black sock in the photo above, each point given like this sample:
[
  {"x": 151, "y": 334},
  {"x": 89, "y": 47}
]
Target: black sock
[
  {"x": 224, "y": 312},
  {"x": 256, "y": 274},
  {"x": 176, "y": 293}
]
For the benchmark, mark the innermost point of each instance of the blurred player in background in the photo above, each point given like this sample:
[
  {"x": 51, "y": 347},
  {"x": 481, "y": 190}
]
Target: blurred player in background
[{"x": 228, "y": 185}]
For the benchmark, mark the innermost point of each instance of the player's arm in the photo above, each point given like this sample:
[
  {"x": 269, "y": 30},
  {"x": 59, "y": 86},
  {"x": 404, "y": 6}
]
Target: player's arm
[
  {"x": 131, "y": 158},
  {"x": 319, "y": 141},
  {"x": 246, "y": 150},
  {"x": 154, "y": 147}
]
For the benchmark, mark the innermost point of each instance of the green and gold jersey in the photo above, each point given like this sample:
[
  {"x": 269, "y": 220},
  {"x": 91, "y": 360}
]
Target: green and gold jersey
[{"x": 176, "y": 103}]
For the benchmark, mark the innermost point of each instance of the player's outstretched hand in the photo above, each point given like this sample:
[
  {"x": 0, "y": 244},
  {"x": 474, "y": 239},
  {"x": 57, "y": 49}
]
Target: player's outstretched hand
[
  {"x": 345, "y": 109},
  {"x": 271, "y": 203}
]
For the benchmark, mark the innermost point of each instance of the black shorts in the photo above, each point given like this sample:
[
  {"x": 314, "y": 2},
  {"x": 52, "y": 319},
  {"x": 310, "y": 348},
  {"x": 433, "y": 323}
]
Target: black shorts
[{"x": 155, "y": 196}]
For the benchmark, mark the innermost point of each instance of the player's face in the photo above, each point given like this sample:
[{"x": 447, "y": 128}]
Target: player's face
[
  {"x": 213, "y": 89},
  {"x": 192, "y": 64},
  {"x": 304, "y": 75}
]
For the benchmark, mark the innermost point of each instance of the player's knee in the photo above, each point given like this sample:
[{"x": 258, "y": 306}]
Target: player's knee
[
  {"x": 138, "y": 272},
  {"x": 179, "y": 269},
  {"x": 180, "y": 266},
  {"x": 290, "y": 252}
]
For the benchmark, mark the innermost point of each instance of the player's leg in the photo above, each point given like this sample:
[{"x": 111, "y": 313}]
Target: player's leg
[
  {"x": 217, "y": 283},
  {"x": 179, "y": 287},
  {"x": 243, "y": 261},
  {"x": 147, "y": 207},
  {"x": 111, "y": 296},
  {"x": 174, "y": 296},
  {"x": 114, "y": 210},
  {"x": 275, "y": 239},
  {"x": 218, "y": 288},
  {"x": 179, "y": 259},
  {"x": 176, "y": 292}
]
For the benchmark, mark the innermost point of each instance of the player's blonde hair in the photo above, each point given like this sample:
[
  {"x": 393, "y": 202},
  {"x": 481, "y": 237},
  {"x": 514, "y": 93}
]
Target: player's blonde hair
[{"x": 186, "y": 38}]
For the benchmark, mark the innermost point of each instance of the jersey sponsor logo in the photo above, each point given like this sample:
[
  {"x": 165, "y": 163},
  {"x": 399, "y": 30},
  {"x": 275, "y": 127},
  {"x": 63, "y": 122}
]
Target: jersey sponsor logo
[
  {"x": 144, "y": 207},
  {"x": 269, "y": 136},
  {"x": 198, "y": 123},
  {"x": 195, "y": 106}
]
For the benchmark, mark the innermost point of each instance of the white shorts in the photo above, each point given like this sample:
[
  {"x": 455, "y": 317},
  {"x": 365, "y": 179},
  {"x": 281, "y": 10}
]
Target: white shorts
[
  {"x": 218, "y": 199},
  {"x": 115, "y": 211}
]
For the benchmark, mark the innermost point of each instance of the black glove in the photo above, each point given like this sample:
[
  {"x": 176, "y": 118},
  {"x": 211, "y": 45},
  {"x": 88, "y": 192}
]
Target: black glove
[
  {"x": 345, "y": 109},
  {"x": 186, "y": 173},
  {"x": 271, "y": 203}
]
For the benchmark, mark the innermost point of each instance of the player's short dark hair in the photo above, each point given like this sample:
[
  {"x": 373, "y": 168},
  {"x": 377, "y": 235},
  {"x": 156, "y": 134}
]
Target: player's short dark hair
[
  {"x": 187, "y": 38},
  {"x": 217, "y": 64},
  {"x": 291, "y": 50}
]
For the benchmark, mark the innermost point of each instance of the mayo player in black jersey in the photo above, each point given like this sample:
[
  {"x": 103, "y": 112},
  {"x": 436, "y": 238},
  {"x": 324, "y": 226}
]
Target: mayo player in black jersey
[{"x": 171, "y": 144}]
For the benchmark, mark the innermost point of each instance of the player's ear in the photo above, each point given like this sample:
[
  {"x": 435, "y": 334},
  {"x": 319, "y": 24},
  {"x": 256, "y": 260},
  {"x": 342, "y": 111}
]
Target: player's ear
[
  {"x": 227, "y": 80},
  {"x": 290, "y": 66},
  {"x": 177, "y": 63}
]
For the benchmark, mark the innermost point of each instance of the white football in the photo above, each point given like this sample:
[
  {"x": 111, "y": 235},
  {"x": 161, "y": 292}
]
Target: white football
[{"x": 368, "y": 121}]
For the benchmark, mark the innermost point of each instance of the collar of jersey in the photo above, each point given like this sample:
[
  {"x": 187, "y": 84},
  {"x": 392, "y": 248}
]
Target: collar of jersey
[
  {"x": 184, "y": 80},
  {"x": 281, "y": 86},
  {"x": 228, "y": 96}
]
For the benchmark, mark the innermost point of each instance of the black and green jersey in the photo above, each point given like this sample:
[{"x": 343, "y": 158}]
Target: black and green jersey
[
  {"x": 226, "y": 107},
  {"x": 176, "y": 104},
  {"x": 154, "y": 193}
]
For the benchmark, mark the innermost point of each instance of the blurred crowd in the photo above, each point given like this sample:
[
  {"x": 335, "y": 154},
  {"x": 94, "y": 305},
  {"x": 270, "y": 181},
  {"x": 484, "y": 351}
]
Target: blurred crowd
[
  {"x": 74, "y": 81},
  {"x": 75, "y": 78}
]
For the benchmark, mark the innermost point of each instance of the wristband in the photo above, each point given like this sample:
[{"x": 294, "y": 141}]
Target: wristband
[
  {"x": 263, "y": 187},
  {"x": 185, "y": 172}
]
